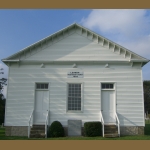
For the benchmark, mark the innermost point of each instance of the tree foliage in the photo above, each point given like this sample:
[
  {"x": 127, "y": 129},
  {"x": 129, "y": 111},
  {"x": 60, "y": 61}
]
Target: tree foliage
[
  {"x": 2, "y": 108},
  {"x": 2, "y": 100},
  {"x": 146, "y": 86},
  {"x": 2, "y": 83}
]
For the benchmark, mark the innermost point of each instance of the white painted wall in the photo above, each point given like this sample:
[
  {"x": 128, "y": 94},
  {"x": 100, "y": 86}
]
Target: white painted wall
[
  {"x": 73, "y": 47},
  {"x": 21, "y": 88},
  {"x": 20, "y": 100}
]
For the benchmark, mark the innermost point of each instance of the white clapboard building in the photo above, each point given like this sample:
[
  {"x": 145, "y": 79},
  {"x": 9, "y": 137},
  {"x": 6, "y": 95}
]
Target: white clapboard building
[{"x": 75, "y": 76}]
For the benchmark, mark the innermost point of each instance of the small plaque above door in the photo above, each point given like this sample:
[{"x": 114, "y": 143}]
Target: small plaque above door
[{"x": 75, "y": 74}]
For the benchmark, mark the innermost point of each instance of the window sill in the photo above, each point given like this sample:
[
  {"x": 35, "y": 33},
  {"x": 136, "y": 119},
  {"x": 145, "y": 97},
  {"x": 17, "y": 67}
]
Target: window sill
[
  {"x": 41, "y": 89},
  {"x": 107, "y": 89},
  {"x": 73, "y": 111}
]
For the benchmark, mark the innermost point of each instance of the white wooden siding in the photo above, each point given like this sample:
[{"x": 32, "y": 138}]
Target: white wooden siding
[
  {"x": 74, "y": 47},
  {"x": 129, "y": 96},
  {"x": 22, "y": 78}
]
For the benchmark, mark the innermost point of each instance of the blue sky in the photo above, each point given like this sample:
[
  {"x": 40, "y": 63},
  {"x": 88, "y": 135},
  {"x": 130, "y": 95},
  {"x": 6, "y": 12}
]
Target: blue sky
[{"x": 23, "y": 27}]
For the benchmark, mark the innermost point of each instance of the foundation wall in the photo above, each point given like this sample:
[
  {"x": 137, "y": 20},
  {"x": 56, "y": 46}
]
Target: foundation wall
[{"x": 23, "y": 130}]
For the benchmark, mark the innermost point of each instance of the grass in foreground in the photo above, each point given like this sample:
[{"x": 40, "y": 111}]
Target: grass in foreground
[{"x": 137, "y": 137}]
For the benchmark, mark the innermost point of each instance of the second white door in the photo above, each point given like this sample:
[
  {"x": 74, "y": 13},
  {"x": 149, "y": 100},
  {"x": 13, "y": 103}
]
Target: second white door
[
  {"x": 108, "y": 106},
  {"x": 41, "y": 106}
]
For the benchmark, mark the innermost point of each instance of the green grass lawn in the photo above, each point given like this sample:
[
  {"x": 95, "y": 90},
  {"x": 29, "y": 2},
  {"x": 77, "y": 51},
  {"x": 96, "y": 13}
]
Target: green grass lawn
[{"x": 137, "y": 137}]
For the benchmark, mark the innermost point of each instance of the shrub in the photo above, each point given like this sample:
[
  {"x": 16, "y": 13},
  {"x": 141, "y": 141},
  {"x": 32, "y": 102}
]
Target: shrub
[
  {"x": 56, "y": 129},
  {"x": 93, "y": 129}
]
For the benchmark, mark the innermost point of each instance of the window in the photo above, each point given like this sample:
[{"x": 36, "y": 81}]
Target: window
[
  {"x": 41, "y": 86},
  {"x": 74, "y": 97},
  {"x": 107, "y": 86}
]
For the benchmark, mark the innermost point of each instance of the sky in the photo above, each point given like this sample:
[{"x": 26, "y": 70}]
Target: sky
[{"x": 22, "y": 27}]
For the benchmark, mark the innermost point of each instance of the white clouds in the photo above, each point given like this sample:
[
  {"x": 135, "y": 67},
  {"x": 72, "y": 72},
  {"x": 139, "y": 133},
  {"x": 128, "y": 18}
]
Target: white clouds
[
  {"x": 129, "y": 28},
  {"x": 117, "y": 20},
  {"x": 140, "y": 46}
]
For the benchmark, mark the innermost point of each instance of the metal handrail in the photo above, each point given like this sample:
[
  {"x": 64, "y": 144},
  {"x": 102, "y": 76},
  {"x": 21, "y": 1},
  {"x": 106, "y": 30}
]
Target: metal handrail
[
  {"x": 102, "y": 121},
  {"x": 46, "y": 123},
  {"x": 29, "y": 127},
  {"x": 118, "y": 124}
]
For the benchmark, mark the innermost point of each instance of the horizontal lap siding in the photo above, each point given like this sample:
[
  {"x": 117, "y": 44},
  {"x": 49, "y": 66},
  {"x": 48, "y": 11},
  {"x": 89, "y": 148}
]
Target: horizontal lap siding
[
  {"x": 20, "y": 98},
  {"x": 20, "y": 101},
  {"x": 74, "y": 47}
]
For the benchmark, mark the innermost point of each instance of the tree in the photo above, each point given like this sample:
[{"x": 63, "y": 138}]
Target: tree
[
  {"x": 2, "y": 99},
  {"x": 2, "y": 108},
  {"x": 2, "y": 83},
  {"x": 146, "y": 86}
]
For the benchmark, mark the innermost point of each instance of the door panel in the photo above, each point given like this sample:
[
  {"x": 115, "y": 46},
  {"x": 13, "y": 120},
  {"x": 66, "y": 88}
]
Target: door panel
[
  {"x": 41, "y": 106},
  {"x": 108, "y": 106}
]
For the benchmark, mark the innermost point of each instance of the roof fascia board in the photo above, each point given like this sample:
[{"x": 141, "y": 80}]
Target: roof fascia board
[
  {"x": 134, "y": 60},
  {"x": 10, "y": 60},
  {"x": 73, "y": 61}
]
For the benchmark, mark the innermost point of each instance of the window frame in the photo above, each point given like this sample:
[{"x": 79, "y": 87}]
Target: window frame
[
  {"x": 107, "y": 88},
  {"x": 67, "y": 92},
  {"x": 41, "y": 83}
]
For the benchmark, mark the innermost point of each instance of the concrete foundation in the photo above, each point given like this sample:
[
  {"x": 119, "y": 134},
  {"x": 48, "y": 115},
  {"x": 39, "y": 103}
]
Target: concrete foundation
[
  {"x": 131, "y": 130},
  {"x": 23, "y": 130},
  {"x": 16, "y": 131}
]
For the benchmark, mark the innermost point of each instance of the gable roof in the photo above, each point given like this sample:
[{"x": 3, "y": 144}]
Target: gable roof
[{"x": 129, "y": 55}]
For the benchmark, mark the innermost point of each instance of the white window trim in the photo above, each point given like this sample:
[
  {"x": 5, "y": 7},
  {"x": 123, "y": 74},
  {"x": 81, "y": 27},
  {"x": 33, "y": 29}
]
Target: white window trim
[
  {"x": 114, "y": 87},
  {"x": 42, "y": 89},
  {"x": 82, "y": 97}
]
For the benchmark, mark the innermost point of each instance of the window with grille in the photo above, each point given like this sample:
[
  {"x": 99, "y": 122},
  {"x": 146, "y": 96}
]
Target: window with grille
[
  {"x": 74, "y": 97},
  {"x": 107, "y": 85},
  {"x": 41, "y": 86}
]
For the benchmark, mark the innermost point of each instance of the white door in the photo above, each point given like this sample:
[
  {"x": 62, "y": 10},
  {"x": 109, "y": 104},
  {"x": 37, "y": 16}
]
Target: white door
[
  {"x": 41, "y": 106},
  {"x": 108, "y": 106}
]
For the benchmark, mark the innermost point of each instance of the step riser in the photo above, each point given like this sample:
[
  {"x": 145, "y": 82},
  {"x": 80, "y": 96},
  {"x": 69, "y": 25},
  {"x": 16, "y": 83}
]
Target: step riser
[
  {"x": 37, "y": 131},
  {"x": 40, "y": 128},
  {"x": 110, "y": 131},
  {"x": 110, "y": 128}
]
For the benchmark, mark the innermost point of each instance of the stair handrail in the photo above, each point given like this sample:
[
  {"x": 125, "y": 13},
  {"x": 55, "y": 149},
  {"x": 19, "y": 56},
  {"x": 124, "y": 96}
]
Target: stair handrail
[
  {"x": 118, "y": 123},
  {"x": 102, "y": 121},
  {"x": 29, "y": 127},
  {"x": 46, "y": 123}
]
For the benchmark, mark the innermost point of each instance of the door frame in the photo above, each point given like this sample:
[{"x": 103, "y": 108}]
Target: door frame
[
  {"x": 41, "y": 90},
  {"x": 115, "y": 92}
]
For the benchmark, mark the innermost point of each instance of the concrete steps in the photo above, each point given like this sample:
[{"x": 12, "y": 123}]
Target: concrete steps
[
  {"x": 111, "y": 131},
  {"x": 37, "y": 131}
]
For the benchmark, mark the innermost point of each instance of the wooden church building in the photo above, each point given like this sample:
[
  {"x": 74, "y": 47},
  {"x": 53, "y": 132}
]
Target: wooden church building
[{"x": 74, "y": 76}]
